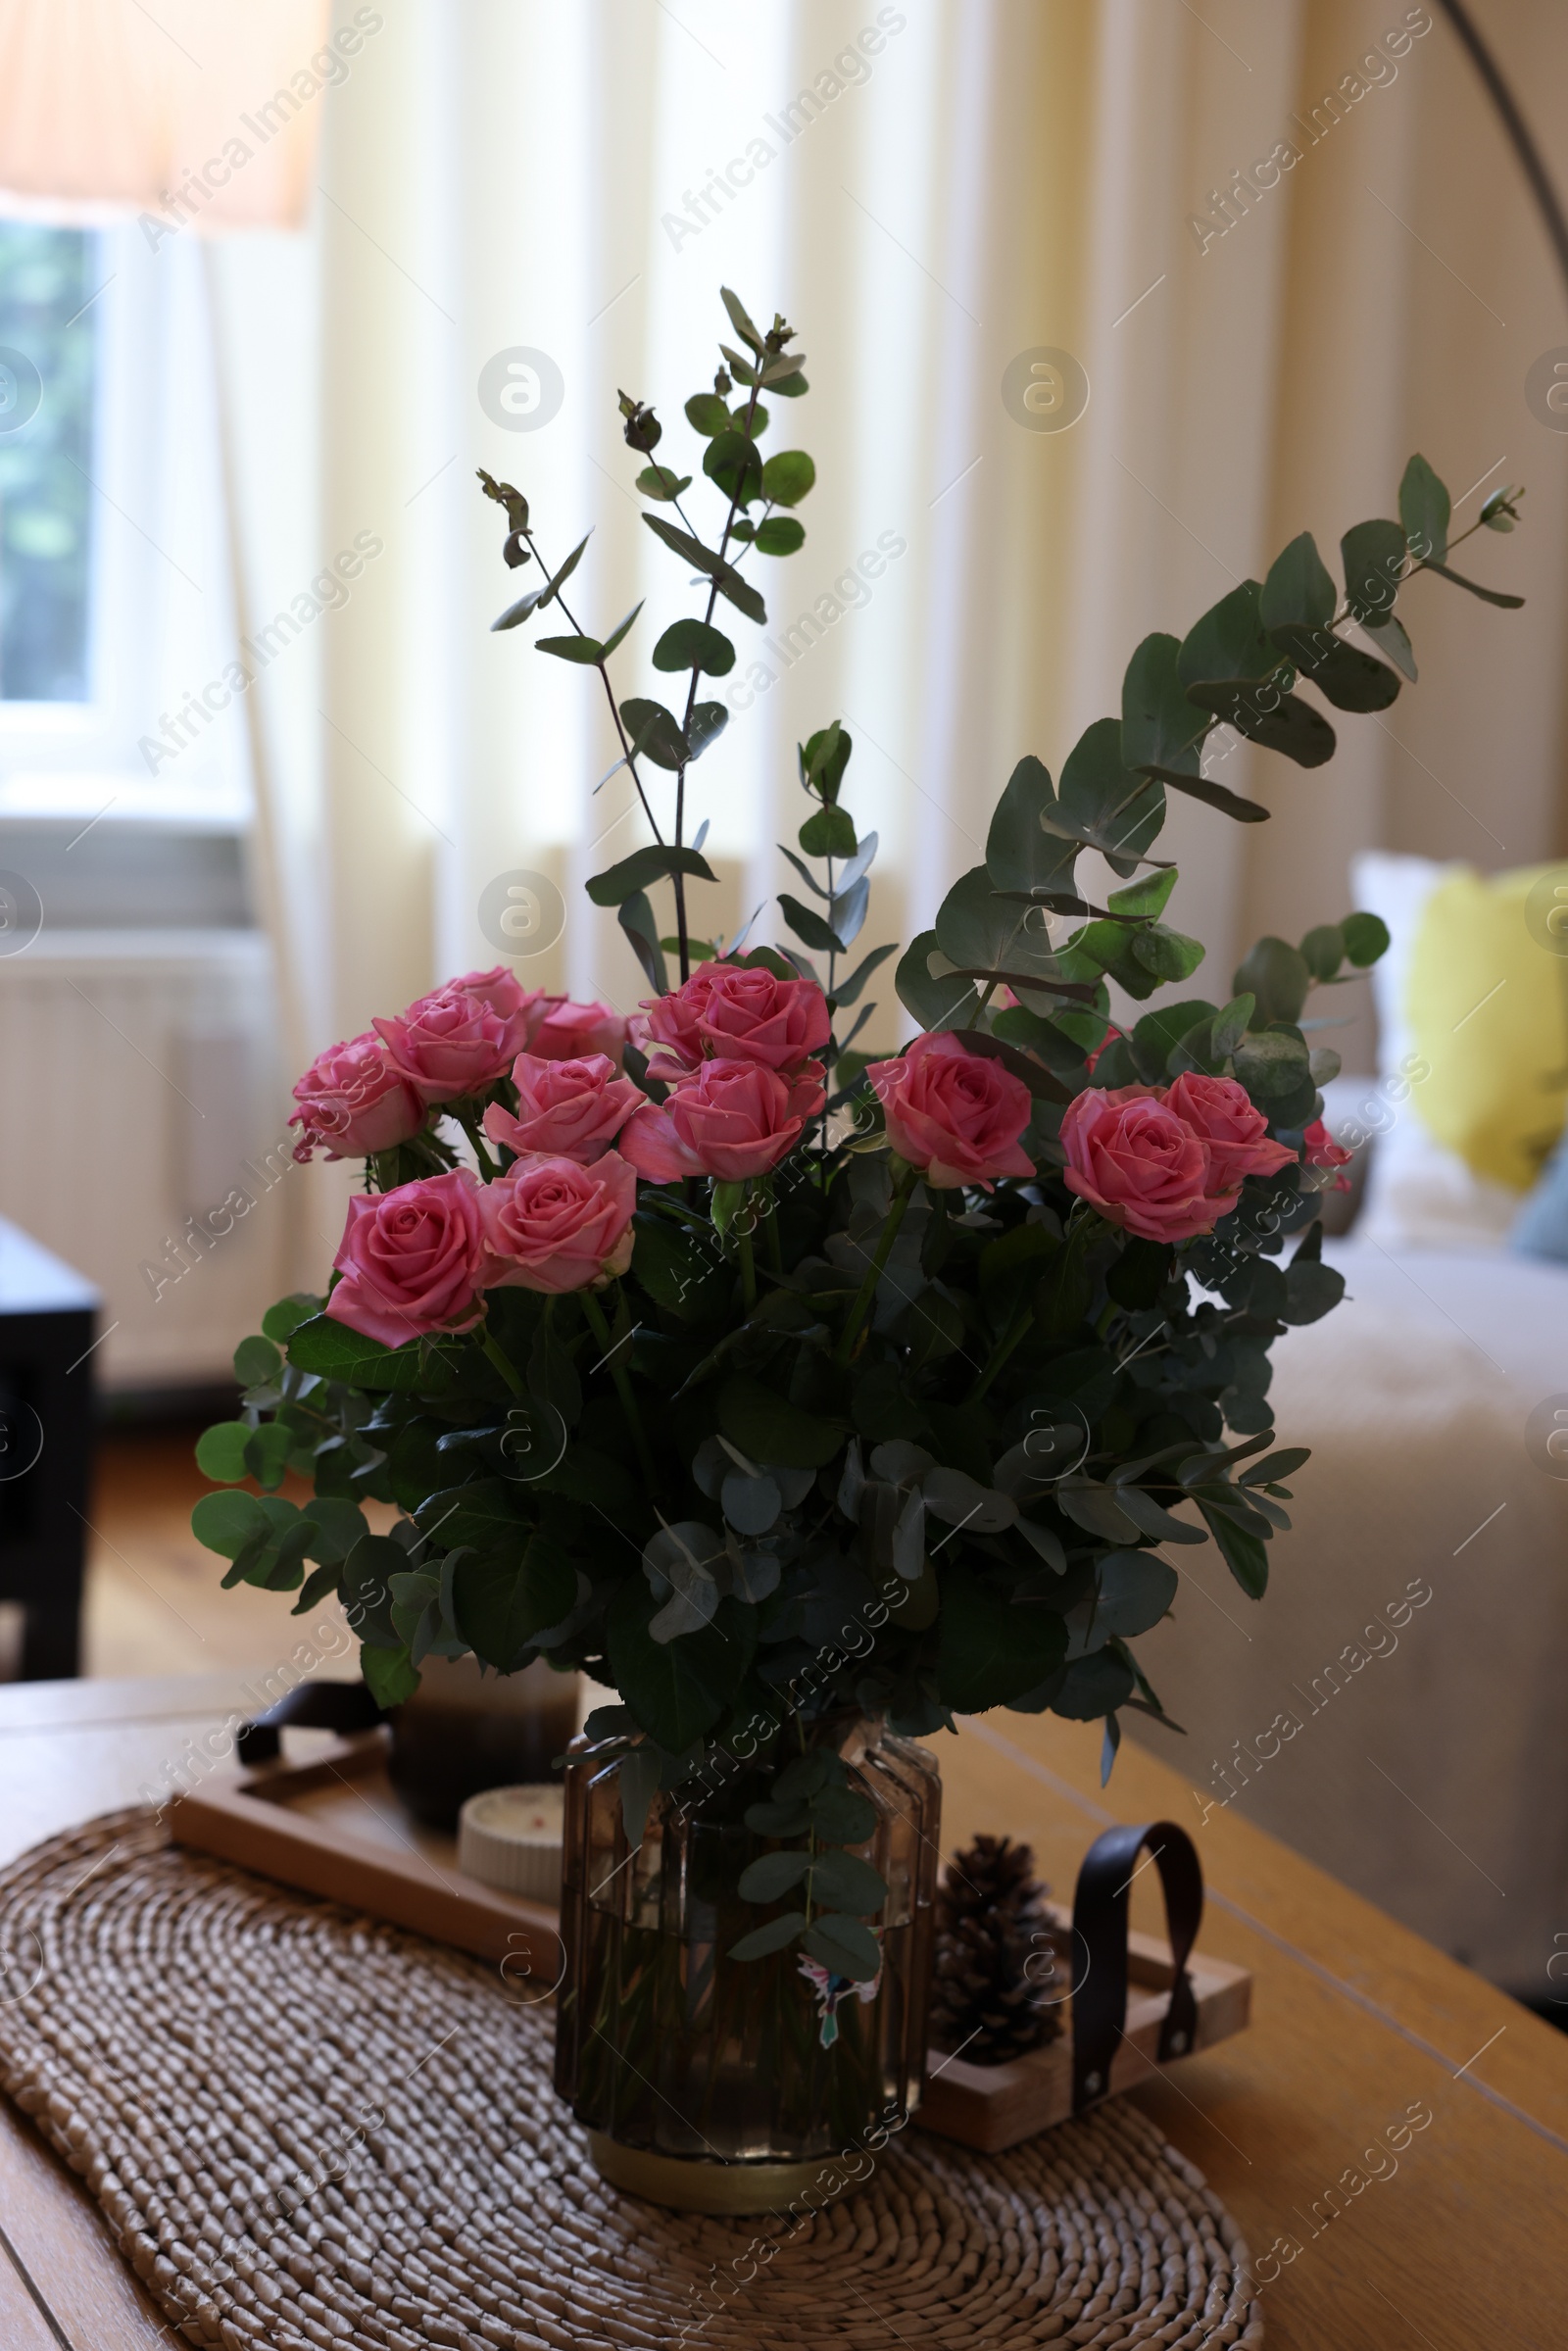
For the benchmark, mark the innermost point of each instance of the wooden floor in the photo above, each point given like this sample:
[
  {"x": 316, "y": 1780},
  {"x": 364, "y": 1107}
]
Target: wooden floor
[{"x": 155, "y": 1603}]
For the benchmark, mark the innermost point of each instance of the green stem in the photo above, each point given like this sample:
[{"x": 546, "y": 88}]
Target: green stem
[
  {"x": 873, "y": 1273},
  {"x": 627, "y": 753},
  {"x": 623, "y": 1389},
  {"x": 502, "y": 1361},
  {"x": 990, "y": 990},
  {"x": 1023, "y": 1316},
  {"x": 1079, "y": 1233},
  {"x": 775, "y": 1248},
  {"x": 471, "y": 1127},
  {"x": 748, "y": 1266},
  {"x": 691, "y": 693}
]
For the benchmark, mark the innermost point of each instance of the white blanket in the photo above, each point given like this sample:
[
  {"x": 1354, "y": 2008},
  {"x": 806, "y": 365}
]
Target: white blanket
[{"x": 1397, "y": 1707}]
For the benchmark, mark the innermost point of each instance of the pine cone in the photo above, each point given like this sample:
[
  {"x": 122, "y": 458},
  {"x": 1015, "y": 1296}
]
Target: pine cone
[{"x": 985, "y": 1999}]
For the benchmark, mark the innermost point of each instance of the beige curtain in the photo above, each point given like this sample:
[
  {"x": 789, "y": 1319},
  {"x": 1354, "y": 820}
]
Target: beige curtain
[
  {"x": 932, "y": 191},
  {"x": 982, "y": 182}
]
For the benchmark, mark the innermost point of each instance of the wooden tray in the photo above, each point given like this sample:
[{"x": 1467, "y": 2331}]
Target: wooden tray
[
  {"x": 994, "y": 2106},
  {"x": 336, "y": 1827}
]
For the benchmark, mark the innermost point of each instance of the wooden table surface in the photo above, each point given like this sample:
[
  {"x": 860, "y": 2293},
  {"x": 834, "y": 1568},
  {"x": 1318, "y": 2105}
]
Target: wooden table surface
[{"x": 1458, "y": 2241}]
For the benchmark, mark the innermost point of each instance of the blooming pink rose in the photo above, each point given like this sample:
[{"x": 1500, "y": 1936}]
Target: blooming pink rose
[
  {"x": 459, "y": 1040},
  {"x": 957, "y": 1116},
  {"x": 501, "y": 989},
  {"x": 411, "y": 1261},
  {"x": 1235, "y": 1135},
  {"x": 553, "y": 1225},
  {"x": 729, "y": 1119},
  {"x": 1132, "y": 1158},
  {"x": 735, "y": 1013},
  {"x": 569, "y": 1030},
  {"x": 353, "y": 1102},
  {"x": 1323, "y": 1151},
  {"x": 565, "y": 1109},
  {"x": 666, "y": 1026}
]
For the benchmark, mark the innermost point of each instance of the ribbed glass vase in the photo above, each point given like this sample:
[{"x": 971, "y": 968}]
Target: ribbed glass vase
[{"x": 712, "y": 2082}]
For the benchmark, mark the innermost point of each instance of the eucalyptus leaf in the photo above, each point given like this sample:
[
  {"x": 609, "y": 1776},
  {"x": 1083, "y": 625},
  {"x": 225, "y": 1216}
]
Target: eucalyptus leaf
[
  {"x": 762, "y": 1941},
  {"x": 934, "y": 1002},
  {"x": 1298, "y": 591},
  {"x": 1424, "y": 511},
  {"x": 694, "y": 645},
  {"x": 655, "y": 730},
  {"x": 645, "y": 865},
  {"x": 1374, "y": 555},
  {"x": 779, "y": 534},
  {"x": 787, "y": 476}
]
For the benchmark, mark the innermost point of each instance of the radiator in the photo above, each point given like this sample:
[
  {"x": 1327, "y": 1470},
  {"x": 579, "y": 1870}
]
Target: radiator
[{"x": 144, "y": 1139}]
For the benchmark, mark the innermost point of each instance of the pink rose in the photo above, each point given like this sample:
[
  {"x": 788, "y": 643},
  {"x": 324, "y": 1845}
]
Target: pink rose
[
  {"x": 501, "y": 989},
  {"x": 353, "y": 1102},
  {"x": 1321, "y": 1151},
  {"x": 1141, "y": 1167},
  {"x": 565, "y": 1109},
  {"x": 459, "y": 1040},
  {"x": 411, "y": 1261},
  {"x": 568, "y": 1030},
  {"x": 957, "y": 1116},
  {"x": 729, "y": 1119},
  {"x": 553, "y": 1225},
  {"x": 734, "y": 1013},
  {"x": 667, "y": 1029},
  {"x": 1235, "y": 1135}
]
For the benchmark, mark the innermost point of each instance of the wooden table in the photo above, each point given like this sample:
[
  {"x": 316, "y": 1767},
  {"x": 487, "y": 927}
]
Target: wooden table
[{"x": 1462, "y": 2242}]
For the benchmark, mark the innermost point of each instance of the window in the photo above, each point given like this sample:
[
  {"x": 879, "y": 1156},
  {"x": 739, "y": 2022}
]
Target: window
[
  {"x": 48, "y": 366},
  {"x": 116, "y": 600}
]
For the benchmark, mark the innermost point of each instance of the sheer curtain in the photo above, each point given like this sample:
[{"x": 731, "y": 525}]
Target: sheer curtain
[{"x": 931, "y": 191}]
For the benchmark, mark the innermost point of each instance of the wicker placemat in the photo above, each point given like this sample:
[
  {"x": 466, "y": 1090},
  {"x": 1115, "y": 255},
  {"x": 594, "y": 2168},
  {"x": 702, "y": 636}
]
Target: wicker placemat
[{"x": 309, "y": 2129}]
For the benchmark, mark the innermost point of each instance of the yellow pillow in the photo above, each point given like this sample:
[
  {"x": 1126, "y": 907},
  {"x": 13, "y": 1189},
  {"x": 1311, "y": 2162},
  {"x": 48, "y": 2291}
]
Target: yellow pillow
[{"x": 1487, "y": 1001}]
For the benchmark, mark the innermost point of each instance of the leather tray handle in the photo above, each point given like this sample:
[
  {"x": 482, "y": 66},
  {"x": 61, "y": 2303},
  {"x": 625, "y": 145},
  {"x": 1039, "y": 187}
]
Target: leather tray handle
[
  {"x": 1100, "y": 1914},
  {"x": 344, "y": 1706}
]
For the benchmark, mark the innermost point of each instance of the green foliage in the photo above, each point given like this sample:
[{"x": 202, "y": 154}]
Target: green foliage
[{"x": 838, "y": 1436}]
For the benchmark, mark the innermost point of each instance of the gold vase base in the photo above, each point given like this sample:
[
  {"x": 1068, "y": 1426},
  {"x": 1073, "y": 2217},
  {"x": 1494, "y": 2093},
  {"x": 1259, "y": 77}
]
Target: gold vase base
[{"x": 698, "y": 2183}]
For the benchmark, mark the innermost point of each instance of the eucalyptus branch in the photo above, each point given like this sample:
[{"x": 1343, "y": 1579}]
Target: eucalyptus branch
[
  {"x": 610, "y": 692},
  {"x": 902, "y": 1198},
  {"x": 623, "y": 1389},
  {"x": 691, "y": 693}
]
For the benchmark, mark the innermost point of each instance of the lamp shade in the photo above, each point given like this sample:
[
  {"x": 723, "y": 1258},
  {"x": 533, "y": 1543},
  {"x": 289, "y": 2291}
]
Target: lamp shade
[{"x": 196, "y": 114}]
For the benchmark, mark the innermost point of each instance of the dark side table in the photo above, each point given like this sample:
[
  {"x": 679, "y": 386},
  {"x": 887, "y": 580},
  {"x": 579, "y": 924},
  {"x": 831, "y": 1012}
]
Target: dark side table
[{"x": 47, "y": 1332}]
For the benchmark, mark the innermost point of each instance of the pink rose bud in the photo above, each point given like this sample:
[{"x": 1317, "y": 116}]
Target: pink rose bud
[
  {"x": 729, "y": 1119},
  {"x": 1235, "y": 1135},
  {"x": 353, "y": 1102},
  {"x": 411, "y": 1261},
  {"x": 553, "y": 1225},
  {"x": 1321, "y": 1151},
  {"x": 565, "y": 1109},
  {"x": 1139, "y": 1163},
  {"x": 459, "y": 1040},
  {"x": 569, "y": 1030},
  {"x": 734, "y": 1013},
  {"x": 957, "y": 1116}
]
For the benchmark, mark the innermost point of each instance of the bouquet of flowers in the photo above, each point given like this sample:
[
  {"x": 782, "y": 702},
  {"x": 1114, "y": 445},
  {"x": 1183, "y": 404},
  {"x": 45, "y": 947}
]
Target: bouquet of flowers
[{"x": 762, "y": 1380}]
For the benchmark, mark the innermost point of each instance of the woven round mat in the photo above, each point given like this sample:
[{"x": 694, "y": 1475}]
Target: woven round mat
[{"x": 309, "y": 2129}]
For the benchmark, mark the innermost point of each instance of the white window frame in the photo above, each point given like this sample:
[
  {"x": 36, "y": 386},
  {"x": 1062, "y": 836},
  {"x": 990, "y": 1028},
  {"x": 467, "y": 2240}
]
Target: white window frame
[{"x": 161, "y": 602}]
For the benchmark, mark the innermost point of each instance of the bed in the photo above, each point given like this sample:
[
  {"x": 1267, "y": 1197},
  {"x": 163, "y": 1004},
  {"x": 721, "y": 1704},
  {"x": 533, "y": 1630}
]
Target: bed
[{"x": 1396, "y": 1708}]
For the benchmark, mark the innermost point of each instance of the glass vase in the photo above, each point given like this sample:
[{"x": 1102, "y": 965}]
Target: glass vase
[{"x": 719, "y": 2085}]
